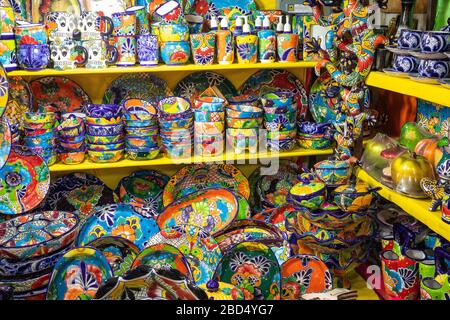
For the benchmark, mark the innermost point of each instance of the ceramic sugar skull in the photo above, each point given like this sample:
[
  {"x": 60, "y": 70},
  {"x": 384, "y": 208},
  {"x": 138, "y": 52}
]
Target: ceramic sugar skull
[
  {"x": 93, "y": 26},
  {"x": 100, "y": 54},
  {"x": 60, "y": 26},
  {"x": 67, "y": 55}
]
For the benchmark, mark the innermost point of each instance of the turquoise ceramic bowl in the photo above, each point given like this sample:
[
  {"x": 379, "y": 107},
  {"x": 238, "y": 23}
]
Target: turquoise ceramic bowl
[
  {"x": 175, "y": 53},
  {"x": 106, "y": 147},
  {"x": 142, "y": 153},
  {"x": 105, "y": 156}
]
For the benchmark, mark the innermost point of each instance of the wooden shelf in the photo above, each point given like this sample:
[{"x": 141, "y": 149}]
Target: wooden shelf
[
  {"x": 162, "y": 160},
  {"x": 163, "y": 68},
  {"x": 415, "y": 207},
  {"x": 435, "y": 93}
]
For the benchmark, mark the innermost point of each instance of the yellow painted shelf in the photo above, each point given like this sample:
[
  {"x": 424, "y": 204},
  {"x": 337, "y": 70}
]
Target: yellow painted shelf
[
  {"x": 162, "y": 160},
  {"x": 359, "y": 284},
  {"x": 163, "y": 68},
  {"x": 417, "y": 208},
  {"x": 435, "y": 93}
]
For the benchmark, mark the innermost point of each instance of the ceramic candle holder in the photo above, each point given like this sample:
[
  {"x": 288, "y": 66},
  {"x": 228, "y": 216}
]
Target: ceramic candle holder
[{"x": 203, "y": 48}]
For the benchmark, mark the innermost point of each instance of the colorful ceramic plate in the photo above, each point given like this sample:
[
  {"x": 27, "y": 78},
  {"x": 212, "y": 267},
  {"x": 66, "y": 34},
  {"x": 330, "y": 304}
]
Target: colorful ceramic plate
[
  {"x": 211, "y": 209},
  {"x": 137, "y": 85},
  {"x": 20, "y": 100},
  {"x": 146, "y": 283},
  {"x": 5, "y": 141},
  {"x": 222, "y": 291},
  {"x": 58, "y": 94},
  {"x": 199, "y": 247},
  {"x": 196, "y": 83},
  {"x": 4, "y": 90},
  {"x": 193, "y": 178},
  {"x": 37, "y": 234},
  {"x": 143, "y": 190},
  {"x": 253, "y": 268},
  {"x": 78, "y": 275},
  {"x": 163, "y": 256},
  {"x": 118, "y": 220},
  {"x": 119, "y": 252},
  {"x": 266, "y": 81},
  {"x": 24, "y": 181},
  {"x": 304, "y": 274}
]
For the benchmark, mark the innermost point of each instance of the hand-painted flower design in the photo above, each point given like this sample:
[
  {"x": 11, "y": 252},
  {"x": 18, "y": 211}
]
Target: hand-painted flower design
[
  {"x": 128, "y": 48},
  {"x": 82, "y": 282}
]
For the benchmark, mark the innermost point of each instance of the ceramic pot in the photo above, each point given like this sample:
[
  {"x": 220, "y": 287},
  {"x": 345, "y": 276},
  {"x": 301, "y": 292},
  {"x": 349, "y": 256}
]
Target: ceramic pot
[
  {"x": 333, "y": 172},
  {"x": 354, "y": 197},
  {"x": 127, "y": 51},
  {"x": 175, "y": 53},
  {"x": 308, "y": 194}
]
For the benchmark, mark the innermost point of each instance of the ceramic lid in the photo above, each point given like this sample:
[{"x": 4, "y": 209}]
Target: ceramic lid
[
  {"x": 307, "y": 188},
  {"x": 332, "y": 164}
]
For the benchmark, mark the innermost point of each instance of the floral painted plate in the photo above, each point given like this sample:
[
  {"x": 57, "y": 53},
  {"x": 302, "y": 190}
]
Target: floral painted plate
[
  {"x": 5, "y": 141},
  {"x": 138, "y": 86},
  {"x": 163, "y": 256},
  {"x": 118, "y": 220},
  {"x": 304, "y": 274},
  {"x": 143, "y": 190},
  {"x": 119, "y": 252},
  {"x": 20, "y": 100},
  {"x": 266, "y": 81},
  {"x": 146, "y": 283},
  {"x": 24, "y": 181},
  {"x": 58, "y": 94},
  {"x": 78, "y": 275},
  {"x": 211, "y": 209},
  {"x": 36, "y": 234},
  {"x": 222, "y": 291},
  {"x": 4, "y": 90},
  {"x": 196, "y": 83},
  {"x": 253, "y": 268},
  {"x": 198, "y": 246},
  {"x": 193, "y": 178}
]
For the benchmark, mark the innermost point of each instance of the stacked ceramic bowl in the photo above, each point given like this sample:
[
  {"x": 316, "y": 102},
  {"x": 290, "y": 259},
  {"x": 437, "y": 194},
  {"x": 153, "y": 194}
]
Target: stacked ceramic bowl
[
  {"x": 176, "y": 123},
  {"x": 39, "y": 134},
  {"x": 280, "y": 120},
  {"x": 71, "y": 133},
  {"x": 315, "y": 136},
  {"x": 244, "y": 119},
  {"x": 175, "y": 46},
  {"x": 15, "y": 133},
  {"x": 104, "y": 130},
  {"x": 209, "y": 126},
  {"x": 141, "y": 130}
]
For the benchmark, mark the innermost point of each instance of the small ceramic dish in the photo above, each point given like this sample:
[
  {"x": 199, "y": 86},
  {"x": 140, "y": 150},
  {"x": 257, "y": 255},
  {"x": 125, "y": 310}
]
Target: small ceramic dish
[
  {"x": 176, "y": 124},
  {"x": 70, "y": 132},
  {"x": 140, "y": 123},
  {"x": 280, "y": 135},
  {"x": 243, "y": 101},
  {"x": 354, "y": 197},
  {"x": 278, "y": 99},
  {"x": 316, "y": 143},
  {"x": 333, "y": 172},
  {"x": 209, "y": 128},
  {"x": 173, "y": 106},
  {"x": 250, "y": 123},
  {"x": 280, "y": 126},
  {"x": 70, "y": 145},
  {"x": 72, "y": 139},
  {"x": 288, "y": 117},
  {"x": 103, "y": 110},
  {"x": 139, "y": 106},
  {"x": 245, "y": 112},
  {"x": 36, "y": 132},
  {"x": 175, "y": 52},
  {"x": 40, "y": 125},
  {"x": 180, "y": 152},
  {"x": 105, "y": 156},
  {"x": 308, "y": 194},
  {"x": 139, "y": 116}
]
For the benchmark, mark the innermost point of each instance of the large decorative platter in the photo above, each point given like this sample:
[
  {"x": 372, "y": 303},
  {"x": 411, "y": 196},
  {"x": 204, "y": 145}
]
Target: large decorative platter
[
  {"x": 137, "y": 86},
  {"x": 253, "y": 268},
  {"x": 210, "y": 209},
  {"x": 5, "y": 141},
  {"x": 146, "y": 283},
  {"x": 196, "y": 83},
  {"x": 118, "y": 220},
  {"x": 32, "y": 235},
  {"x": 20, "y": 100},
  {"x": 119, "y": 252},
  {"x": 304, "y": 274},
  {"x": 199, "y": 247},
  {"x": 163, "y": 256},
  {"x": 58, "y": 94},
  {"x": 78, "y": 275},
  {"x": 193, "y": 178},
  {"x": 4, "y": 90},
  {"x": 24, "y": 181},
  {"x": 266, "y": 81}
]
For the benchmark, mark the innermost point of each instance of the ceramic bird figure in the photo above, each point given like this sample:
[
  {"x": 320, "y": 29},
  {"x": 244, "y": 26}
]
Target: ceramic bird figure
[{"x": 434, "y": 190}]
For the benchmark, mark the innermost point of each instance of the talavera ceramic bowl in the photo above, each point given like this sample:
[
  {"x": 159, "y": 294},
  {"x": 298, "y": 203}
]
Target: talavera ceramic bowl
[{"x": 105, "y": 156}]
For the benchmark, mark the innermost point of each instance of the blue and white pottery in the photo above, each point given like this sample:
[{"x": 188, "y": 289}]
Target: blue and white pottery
[
  {"x": 33, "y": 56},
  {"x": 409, "y": 39},
  {"x": 307, "y": 127},
  {"x": 406, "y": 64},
  {"x": 147, "y": 50},
  {"x": 435, "y": 41},
  {"x": 107, "y": 130},
  {"x": 434, "y": 68}
]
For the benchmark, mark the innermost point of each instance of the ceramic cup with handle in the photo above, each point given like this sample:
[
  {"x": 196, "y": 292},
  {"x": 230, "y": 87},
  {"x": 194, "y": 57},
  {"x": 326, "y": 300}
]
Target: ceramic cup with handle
[
  {"x": 66, "y": 55},
  {"x": 409, "y": 39},
  {"x": 407, "y": 64},
  {"x": 93, "y": 26},
  {"x": 124, "y": 24},
  {"x": 33, "y": 56},
  {"x": 435, "y": 41},
  {"x": 431, "y": 289},
  {"x": 434, "y": 68},
  {"x": 61, "y": 26},
  {"x": 100, "y": 54},
  {"x": 31, "y": 33}
]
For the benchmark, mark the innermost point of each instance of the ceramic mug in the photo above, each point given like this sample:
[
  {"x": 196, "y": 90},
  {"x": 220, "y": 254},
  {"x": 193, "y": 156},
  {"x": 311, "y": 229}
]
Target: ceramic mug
[
  {"x": 100, "y": 54},
  {"x": 434, "y": 68},
  {"x": 67, "y": 55},
  {"x": 407, "y": 64},
  {"x": 247, "y": 49},
  {"x": 435, "y": 41},
  {"x": 8, "y": 56},
  {"x": 170, "y": 12},
  {"x": 427, "y": 268},
  {"x": 147, "y": 50},
  {"x": 430, "y": 289},
  {"x": 124, "y": 24},
  {"x": 409, "y": 39},
  {"x": 267, "y": 46},
  {"x": 287, "y": 44},
  {"x": 175, "y": 53},
  {"x": 32, "y": 33},
  {"x": 61, "y": 26},
  {"x": 142, "y": 21},
  {"x": 195, "y": 23},
  {"x": 33, "y": 56},
  {"x": 225, "y": 47},
  {"x": 93, "y": 26},
  {"x": 7, "y": 23},
  {"x": 126, "y": 48},
  {"x": 203, "y": 48}
]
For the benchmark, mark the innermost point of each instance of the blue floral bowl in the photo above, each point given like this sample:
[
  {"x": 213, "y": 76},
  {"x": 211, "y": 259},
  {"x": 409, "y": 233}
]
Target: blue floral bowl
[
  {"x": 103, "y": 110},
  {"x": 33, "y": 57},
  {"x": 108, "y": 130}
]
